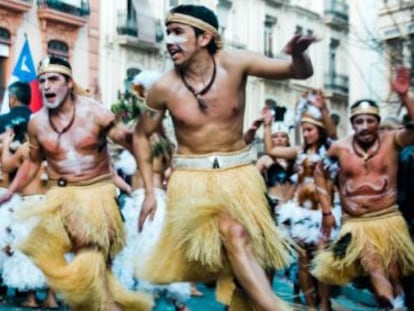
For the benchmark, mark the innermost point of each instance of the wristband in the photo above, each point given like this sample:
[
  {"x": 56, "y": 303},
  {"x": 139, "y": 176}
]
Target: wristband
[{"x": 327, "y": 213}]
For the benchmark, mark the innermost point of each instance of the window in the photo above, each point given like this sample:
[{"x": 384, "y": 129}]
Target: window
[
  {"x": 4, "y": 36},
  {"x": 333, "y": 46},
  {"x": 395, "y": 51},
  {"x": 298, "y": 29},
  {"x": 269, "y": 26},
  {"x": 58, "y": 48},
  {"x": 4, "y": 57}
]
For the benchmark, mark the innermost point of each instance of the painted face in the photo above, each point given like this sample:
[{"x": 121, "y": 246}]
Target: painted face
[
  {"x": 310, "y": 133},
  {"x": 55, "y": 89},
  {"x": 280, "y": 139},
  {"x": 366, "y": 128},
  {"x": 180, "y": 42}
]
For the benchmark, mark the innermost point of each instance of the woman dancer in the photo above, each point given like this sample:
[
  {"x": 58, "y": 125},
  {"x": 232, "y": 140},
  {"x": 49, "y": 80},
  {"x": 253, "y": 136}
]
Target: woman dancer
[
  {"x": 301, "y": 217},
  {"x": 18, "y": 271}
]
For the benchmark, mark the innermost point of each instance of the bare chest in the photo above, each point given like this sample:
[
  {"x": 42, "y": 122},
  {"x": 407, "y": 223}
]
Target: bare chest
[
  {"x": 81, "y": 136},
  {"x": 356, "y": 165}
]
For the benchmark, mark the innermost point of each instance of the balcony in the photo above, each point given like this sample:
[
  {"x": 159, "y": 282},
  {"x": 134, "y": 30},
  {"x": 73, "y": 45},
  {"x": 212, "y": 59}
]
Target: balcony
[
  {"x": 139, "y": 31},
  {"x": 277, "y": 2},
  {"x": 336, "y": 83},
  {"x": 62, "y": 12},
  {"x": 18, "y": 6},
  {"x": 337, "y": 14}
]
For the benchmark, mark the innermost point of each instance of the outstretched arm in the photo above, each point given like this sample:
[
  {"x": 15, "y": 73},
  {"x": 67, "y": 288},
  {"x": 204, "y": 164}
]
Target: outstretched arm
[
  {"x": 301, "y": 64},
  {"x": 299, "y": 67}
]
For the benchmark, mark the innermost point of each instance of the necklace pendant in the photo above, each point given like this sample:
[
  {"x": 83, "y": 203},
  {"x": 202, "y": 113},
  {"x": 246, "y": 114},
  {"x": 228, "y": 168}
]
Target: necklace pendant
[{"x": 202, "y": 103}]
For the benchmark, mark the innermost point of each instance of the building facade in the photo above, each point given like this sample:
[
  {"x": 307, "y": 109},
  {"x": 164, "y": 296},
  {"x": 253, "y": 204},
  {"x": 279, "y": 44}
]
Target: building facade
[
  {"x": 396, "y": 27},
  {"x": 263, "y": 26}
]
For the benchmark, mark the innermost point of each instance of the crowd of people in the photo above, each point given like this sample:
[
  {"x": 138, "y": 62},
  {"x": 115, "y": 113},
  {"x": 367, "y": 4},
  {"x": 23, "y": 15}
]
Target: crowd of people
[{"x": 107, "y": 213}]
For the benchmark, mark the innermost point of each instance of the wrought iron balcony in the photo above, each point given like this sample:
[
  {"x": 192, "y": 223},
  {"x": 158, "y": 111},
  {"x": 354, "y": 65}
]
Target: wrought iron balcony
[
  {"x": 127, "y": 24},
  {"x": 337, "y": 13},
  {"x": 82, "y": 10},
  {"x": 20, "y": 6},
  {"x": 337, "y": 83},
  {"x": 57, "y": 11},
  {"x": 139, "y": 30}
]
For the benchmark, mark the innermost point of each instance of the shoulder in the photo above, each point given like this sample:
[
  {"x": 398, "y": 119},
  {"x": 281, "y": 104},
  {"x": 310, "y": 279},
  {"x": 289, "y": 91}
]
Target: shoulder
[
  {"x": 234, "y": 58},
  {"x": 39, "y": 117},
  {"x": 338, "y": 146}
]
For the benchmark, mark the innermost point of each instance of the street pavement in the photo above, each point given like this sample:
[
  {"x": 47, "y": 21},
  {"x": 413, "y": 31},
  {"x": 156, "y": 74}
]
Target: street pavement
[{"x": 341, "y": 300}]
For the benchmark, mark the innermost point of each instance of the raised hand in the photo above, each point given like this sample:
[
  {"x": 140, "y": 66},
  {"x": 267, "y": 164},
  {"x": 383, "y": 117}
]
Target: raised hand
[
  {"x": 8, "y": 137},
  {"x": 268, "y": 115},
  {"x": 299, "y": 44},
  {"x": 402, "y": 80}
]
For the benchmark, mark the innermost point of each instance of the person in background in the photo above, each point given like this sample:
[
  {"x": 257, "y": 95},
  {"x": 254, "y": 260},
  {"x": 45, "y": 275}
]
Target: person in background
[
  {"x": 18, "y": 271},
  {"x": 18, "y": 116},
  {"x": 301, "y": 216},
  {"x": 374, "y": 239}
]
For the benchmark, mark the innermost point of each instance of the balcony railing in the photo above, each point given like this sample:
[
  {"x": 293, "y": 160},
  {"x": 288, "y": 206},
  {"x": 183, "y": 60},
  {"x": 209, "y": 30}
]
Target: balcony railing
[
  {"x": 337, "y": 82},
  {"x": 337, "y": 12},
  {"x": 82, "y": 11},
  {"x": 139, "y": 30},
  {"x": 127, "y": 24}
]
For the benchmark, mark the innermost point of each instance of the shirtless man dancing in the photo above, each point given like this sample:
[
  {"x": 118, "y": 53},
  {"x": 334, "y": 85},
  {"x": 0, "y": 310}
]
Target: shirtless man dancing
[
  {"x": 374, "y": 238},
  {"x": 80, "y": 213},
  {"x": 218, "y": 226}
]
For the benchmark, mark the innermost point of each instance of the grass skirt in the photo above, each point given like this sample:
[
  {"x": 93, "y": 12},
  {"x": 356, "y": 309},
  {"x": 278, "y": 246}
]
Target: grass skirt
[
  {"x": 84, "y": 220},
  {"x": 381, "y": 235},
  {"x": 191, "y": 248}
]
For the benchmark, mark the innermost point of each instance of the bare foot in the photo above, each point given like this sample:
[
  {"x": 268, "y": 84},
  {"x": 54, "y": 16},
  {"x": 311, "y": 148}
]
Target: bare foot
[
  {"x": 30, "y": 304},
  {"x": 195, "y": 292},
  {"x": 50, "y": 304}
]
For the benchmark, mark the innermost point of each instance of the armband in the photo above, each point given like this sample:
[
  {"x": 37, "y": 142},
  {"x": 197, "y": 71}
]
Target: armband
[{"x": 152, "y": 112}]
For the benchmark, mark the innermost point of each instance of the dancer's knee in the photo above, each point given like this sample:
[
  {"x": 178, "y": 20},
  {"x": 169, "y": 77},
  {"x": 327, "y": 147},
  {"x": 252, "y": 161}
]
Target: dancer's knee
[{"x": 235, "y": 236}]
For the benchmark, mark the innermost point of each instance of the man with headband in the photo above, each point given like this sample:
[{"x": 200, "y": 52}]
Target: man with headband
[
  {"x": 218, "y": 223},
  {"x": 374, "y": 239},
  {"x": 79, "y": 214}
]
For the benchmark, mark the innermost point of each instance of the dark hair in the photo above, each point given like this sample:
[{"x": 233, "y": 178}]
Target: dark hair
[
  {"x": 369, "y": 102},
  {"x": 203, "y": 13},
  {"x": 22, "y": 92},
  {"x": 322, "y": 140}
]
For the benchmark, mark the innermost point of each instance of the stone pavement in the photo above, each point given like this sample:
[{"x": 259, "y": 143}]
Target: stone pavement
[{"x": 347, "y": 298}]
